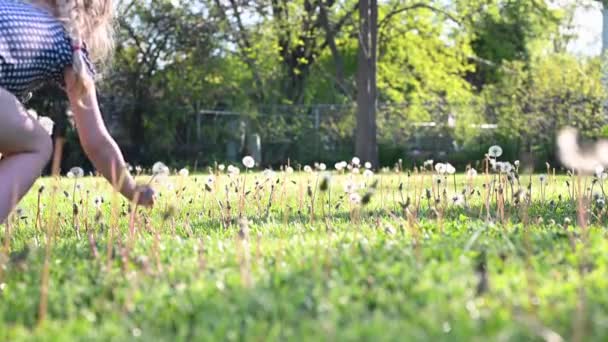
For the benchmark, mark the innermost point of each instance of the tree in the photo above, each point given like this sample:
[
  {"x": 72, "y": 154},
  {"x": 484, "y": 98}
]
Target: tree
[
  {"x": 153, "y": 35},
  {"x": 604, "y": 53},
  {"x": 366, "y": 146},
  {"x": 508, "y": 31},
  {"x": 289, "y": 34}
]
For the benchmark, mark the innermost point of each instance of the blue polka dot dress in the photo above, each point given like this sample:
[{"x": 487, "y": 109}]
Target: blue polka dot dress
[{"x": 35, "y": 48}]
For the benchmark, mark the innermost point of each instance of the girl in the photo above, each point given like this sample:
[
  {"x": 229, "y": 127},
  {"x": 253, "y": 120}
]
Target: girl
[{"x": 45, "y": 40}]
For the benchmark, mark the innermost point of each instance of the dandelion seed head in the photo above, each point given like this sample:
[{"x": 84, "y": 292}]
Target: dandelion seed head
[
  {"x": 440, "y": 168},
  {"x": 248, "y": 162},
  {"x": 368, "y": 173},
  {"x": 450, "y": 169},
  {"x": 160, "y": 169},
  {"x": 233, "y": 170},
  {"x": 355, "y": 170},
  {"x": 516, "y": 163},
  {"x": 184, "y": 172},
  {"x": 495, "y": 151},
  {"x": 289, "y": 170},
  {"x": 269, "y": 174},
  {"x": 340, "y": 166},
  {"x": 355, "y": 198},
  {"x": 368, "y": 165},
  {"x": 322, "y": 167},
  {"x": 307, "y": 169},
  {"x": 77, "y": 172},
  {"x": 542, "y": 178},
  {"x": 504, "y": 167},
  {"x": 356, "y": 161},
  {"x": 221, "y": 167}
]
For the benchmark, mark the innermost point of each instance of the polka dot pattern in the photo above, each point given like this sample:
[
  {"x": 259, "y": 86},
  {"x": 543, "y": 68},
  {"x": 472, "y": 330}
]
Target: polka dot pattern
[{"x": 34, "y": 48}]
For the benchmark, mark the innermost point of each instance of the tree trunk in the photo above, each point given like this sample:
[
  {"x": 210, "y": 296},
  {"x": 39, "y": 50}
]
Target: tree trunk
[
  {"x": 604, "y": 55},
  {"x": 366, "y": 147}
]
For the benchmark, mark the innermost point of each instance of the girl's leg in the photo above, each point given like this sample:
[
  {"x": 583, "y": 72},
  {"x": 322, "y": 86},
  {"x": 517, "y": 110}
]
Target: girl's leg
[{"x": 26, "y": 148}]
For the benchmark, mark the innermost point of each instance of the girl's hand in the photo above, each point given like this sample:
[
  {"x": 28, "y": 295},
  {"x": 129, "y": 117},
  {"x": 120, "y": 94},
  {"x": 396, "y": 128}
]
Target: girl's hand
[{"x": 145, "y": 195}]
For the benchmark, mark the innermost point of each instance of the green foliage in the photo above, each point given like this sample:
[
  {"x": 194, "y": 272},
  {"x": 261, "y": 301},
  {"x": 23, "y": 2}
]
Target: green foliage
[
  {"x": 532, "y": 103},
  {"x": 477, "y": 61},
  {"x": 507, "y": 31}
]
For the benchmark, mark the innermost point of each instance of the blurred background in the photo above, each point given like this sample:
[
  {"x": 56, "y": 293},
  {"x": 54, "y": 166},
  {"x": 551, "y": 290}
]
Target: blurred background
[{"x": 193, "y": 82}]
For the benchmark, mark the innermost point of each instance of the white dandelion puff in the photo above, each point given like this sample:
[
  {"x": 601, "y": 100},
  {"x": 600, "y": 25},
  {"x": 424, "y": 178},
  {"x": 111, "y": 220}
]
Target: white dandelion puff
[
  {"x": 368, "y": 165},
  {"x": 233, "y": 170},
  {"x": 505, "y": 167},
  {"x": 341, "y": 165},
  {"x": 307, "y": 169},
  {"x": 356, "y": 161},
  {"x": 368, "y": 173},
  {"x": 184, "y": 172},
  {"x": 440, "y": 168},
  {"x": 269, "y": 174},
  {"x": 160, "y": 169},
  {"x": 76, "y": 172},
  {"x": 450, "y": 169},
  {"x": 248, "y": 162},
  {"x": 495, "y": 151}
]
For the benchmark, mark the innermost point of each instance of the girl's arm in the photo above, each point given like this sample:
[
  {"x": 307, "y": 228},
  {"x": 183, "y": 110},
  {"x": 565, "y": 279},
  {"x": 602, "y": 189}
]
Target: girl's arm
[{"x": 99, "y": 146}]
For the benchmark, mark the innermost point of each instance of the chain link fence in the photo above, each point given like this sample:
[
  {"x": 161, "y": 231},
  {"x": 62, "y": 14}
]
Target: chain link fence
[
  {"x": 325, "y": 132},
  {"x": 304, "y": 134}
]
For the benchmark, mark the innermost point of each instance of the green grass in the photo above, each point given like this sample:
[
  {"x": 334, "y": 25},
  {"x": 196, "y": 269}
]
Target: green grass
[{"x": 348, "y": 273}]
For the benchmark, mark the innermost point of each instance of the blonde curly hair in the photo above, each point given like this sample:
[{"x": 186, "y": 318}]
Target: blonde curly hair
[{"x": 89, "y": 22}]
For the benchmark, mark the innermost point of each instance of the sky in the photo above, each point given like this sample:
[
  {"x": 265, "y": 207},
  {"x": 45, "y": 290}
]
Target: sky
[{"x": 588, "y": 27}]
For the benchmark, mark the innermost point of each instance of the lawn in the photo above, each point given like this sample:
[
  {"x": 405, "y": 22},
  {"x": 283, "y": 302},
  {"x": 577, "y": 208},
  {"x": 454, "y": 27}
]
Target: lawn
[{"x": 280, "y": 256}]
